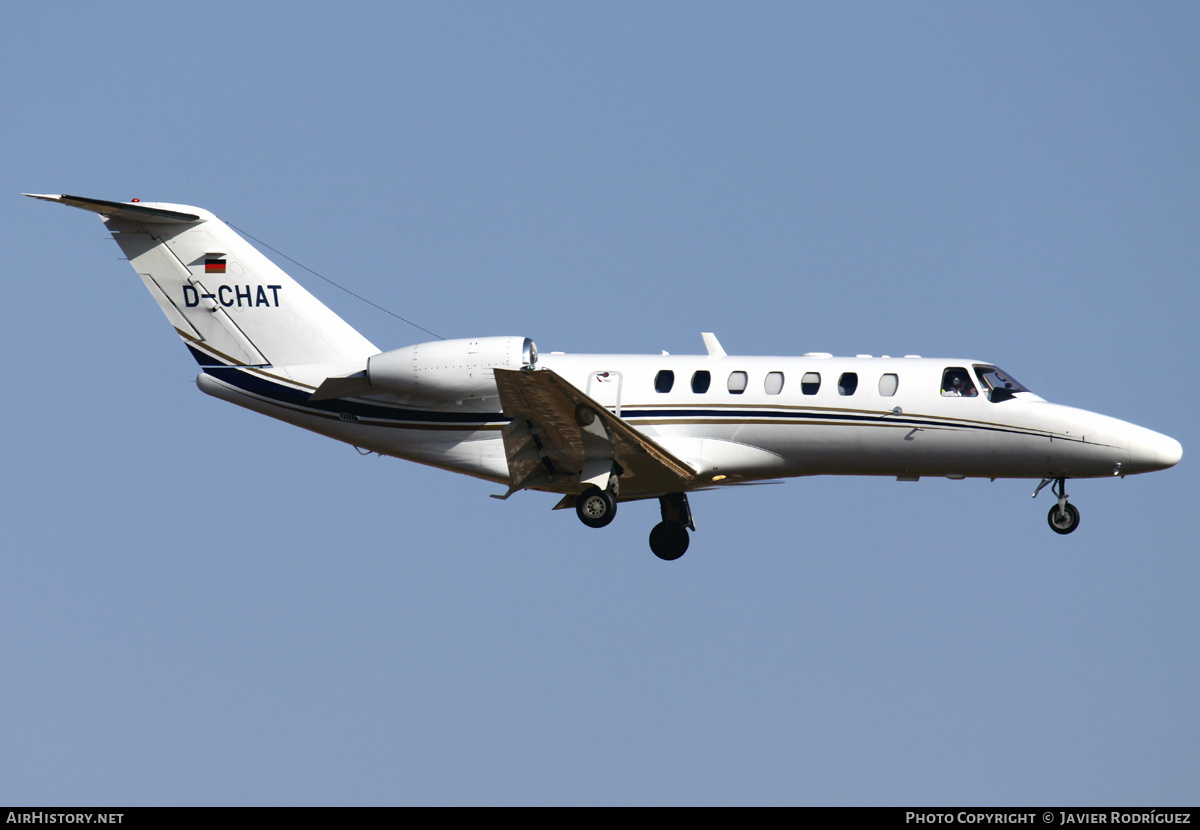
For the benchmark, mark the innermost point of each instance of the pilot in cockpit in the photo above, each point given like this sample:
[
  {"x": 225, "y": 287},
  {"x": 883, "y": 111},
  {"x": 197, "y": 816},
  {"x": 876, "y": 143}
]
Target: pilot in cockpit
[{"x": 956, "y": 383}]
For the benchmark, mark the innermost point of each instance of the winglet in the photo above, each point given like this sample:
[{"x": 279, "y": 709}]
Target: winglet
[{"x": 712, "y": 344}]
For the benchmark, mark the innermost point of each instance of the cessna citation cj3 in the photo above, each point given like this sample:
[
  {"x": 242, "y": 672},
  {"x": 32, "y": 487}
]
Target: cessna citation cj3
[{"x": 602, "y": 429}]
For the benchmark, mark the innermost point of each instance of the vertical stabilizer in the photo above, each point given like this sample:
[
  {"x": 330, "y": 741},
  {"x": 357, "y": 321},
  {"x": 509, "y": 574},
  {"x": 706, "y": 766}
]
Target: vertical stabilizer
[{"x": 229, "y": 303}]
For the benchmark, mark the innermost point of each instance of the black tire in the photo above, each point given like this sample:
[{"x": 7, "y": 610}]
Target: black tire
[
  {"x": 596, "y": 507},
  {"x": 1066, "y": 522},
  {"x": 669, "y": 540}
]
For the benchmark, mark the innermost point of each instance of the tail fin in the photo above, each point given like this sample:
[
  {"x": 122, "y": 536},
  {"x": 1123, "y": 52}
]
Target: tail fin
[{"x": 229, "y": 303}]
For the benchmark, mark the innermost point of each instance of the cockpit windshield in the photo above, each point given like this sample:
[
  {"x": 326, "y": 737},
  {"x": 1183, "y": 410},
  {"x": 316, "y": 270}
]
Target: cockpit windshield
[{"x": 1000, "y": 384}]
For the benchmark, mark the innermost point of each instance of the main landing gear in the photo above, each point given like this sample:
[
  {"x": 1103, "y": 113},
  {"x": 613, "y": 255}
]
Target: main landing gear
[
  {"x": 1063, "y": 516},
  {"x": 596, "y": 507},
  {"x": 669, "y": 538}
]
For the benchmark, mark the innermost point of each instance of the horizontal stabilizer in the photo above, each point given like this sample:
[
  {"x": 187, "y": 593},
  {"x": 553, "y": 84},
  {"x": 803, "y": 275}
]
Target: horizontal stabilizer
[{"x": 122, "y": 210}]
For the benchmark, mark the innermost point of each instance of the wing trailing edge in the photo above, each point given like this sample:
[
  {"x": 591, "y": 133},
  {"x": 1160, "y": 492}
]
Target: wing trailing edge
[{"x": 559, "y": 437}]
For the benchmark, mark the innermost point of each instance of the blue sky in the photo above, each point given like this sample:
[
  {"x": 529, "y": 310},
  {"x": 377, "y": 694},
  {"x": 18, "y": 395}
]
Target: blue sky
[{"x": 202, "y": 606}]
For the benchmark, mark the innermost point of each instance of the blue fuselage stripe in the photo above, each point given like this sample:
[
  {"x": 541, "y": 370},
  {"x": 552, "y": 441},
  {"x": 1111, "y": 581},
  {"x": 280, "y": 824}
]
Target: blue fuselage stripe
[{"x": 262, "y": 387}]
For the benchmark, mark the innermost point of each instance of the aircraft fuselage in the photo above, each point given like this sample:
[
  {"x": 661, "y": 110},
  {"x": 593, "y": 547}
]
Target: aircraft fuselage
[{"x": 770, "y": 423}]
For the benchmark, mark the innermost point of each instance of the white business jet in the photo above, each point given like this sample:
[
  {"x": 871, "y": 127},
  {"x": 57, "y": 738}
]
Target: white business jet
[{"x": 602, "y": 429}]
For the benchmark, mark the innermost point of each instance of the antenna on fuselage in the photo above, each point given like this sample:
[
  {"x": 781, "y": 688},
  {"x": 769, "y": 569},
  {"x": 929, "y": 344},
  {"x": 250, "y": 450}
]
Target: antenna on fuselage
[{"x": 712, "y": 344}]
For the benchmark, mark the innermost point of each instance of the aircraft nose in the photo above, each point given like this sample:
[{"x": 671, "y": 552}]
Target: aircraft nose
[{"x": 1153, "y": 451}]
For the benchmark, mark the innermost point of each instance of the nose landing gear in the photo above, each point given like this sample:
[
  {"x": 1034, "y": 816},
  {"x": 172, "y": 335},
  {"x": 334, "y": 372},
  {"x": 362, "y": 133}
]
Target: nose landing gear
[{"x": 1063, "y": 516}]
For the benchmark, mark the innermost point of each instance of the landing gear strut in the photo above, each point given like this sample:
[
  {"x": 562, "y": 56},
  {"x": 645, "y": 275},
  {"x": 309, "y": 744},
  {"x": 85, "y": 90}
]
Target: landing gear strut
[
  {"x": 669, "y": 538},
  {"x": 1063, "y": 516}
]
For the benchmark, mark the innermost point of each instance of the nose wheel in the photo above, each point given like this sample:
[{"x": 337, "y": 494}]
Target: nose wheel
[
  {"x": 1063, "y": 516},
  {"x": 1063, "y": 519}
]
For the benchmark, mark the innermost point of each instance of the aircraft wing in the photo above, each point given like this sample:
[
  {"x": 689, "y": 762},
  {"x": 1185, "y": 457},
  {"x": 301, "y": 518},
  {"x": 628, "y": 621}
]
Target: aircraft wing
[{"x": 561, "y": 440}]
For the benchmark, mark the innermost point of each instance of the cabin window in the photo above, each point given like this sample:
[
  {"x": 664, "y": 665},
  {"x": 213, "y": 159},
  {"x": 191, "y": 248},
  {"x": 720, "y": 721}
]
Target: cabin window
[
  {"x": 737, "y": 383},
  {"x": 700, "y": 382},
  {"x": 888, "y": 385},
  {"x": 810, "y": 384},
  {"x": 848, "y": 383},
  {"x": 664, "y": 380},
  {"x": 956, "y": 383},
  {"x": 773, "y": 383}
]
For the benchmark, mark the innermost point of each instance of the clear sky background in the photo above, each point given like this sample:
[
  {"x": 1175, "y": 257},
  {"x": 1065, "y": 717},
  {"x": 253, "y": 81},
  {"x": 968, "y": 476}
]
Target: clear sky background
[{"x": 199, "y": 605}]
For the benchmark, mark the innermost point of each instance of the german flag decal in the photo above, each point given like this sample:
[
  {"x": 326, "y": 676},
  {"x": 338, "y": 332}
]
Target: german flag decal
[{"x": 214, "y": 266}]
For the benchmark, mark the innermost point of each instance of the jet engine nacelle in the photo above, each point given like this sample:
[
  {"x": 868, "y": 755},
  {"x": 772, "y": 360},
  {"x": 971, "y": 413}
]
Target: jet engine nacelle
[{"x": 452, "y": 370}]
